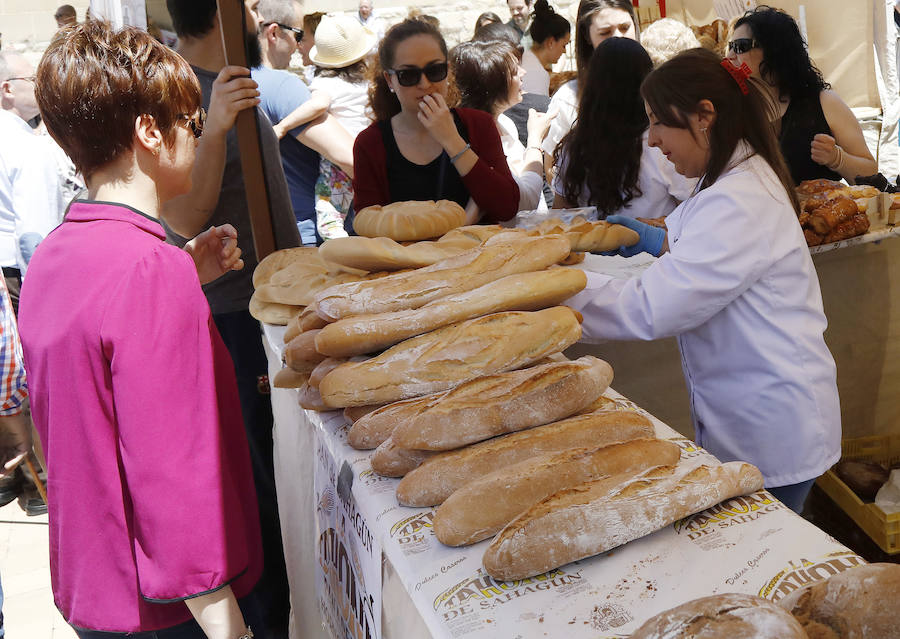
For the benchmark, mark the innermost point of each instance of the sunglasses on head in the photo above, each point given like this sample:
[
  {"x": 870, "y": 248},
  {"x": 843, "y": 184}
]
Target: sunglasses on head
[
  {"x": 195, "y": 122},
  {"x": 742, "y": 45},
  {"x": 410, "y": 76},
  {"x": 298, "y": 33}
]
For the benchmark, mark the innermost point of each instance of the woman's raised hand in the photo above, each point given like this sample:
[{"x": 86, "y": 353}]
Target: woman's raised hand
[
  {"x": 215, "y": 252},
  {"x": 435, "y": 116}
]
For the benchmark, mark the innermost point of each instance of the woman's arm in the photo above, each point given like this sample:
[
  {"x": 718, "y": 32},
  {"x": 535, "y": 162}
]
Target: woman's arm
[
  {"x": 845, "y": 151},
  {"x": 328, "y": 137},
  {"x": 218, "y": 614},
  {"x": 317, "y": 105},
  {"x": 370, "y": 177}
]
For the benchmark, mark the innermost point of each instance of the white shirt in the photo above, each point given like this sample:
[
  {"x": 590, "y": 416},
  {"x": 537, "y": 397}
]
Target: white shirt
[
  {"x": 662, "y": 187},
  {"x": 739, "y": 290},
  {"x": 349, "y": 102},
  {"x": 565, "y": 101},
  {"x": 29, "y": 188},
  {"x": 537, "y": 79},
  {"x": 531, "y": 184}
]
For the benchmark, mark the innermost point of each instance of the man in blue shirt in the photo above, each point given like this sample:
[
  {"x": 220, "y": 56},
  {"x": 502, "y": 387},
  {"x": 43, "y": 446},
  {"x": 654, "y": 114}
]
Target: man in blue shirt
[{"x": 281, "y": 92}]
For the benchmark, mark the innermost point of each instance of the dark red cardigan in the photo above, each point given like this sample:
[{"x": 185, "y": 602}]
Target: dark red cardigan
[{"x": 490, "y": 182}]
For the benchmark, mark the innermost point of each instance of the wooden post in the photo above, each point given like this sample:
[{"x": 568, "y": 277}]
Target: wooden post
[{"x": 232, "y": 16}]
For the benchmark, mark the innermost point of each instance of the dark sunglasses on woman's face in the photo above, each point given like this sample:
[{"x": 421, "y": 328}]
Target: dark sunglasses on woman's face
[
  {"x": 410, "y": 76},
  {"x": 195, "y": 123},
  {"x": 742, "y": 45}
]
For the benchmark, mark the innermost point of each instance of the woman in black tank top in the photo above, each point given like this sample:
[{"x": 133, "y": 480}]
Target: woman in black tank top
[{"x": 818, "y": 133}]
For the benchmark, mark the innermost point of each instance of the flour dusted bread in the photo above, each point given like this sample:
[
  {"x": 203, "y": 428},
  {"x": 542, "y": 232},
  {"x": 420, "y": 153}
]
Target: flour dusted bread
[
  {"x": 853, "y": 604},
  {"x": 486, "y": 406},
  {"x": 274, "y": 262},
  {"x": 451, "y": 355},
  {"x": 517, "y": 292},
  {"x": 486, "y": 504},
  {"x": 409, "y": 221},
  {"x": 464, "y": 272},
  {"x": 504, "y": 403},
  {"x": 289, "y": 378},
  {"x": 271, "y": 312},
  {"x": 297, "y": 282},
  {"x": 729, "y": 615},
  {"x": 601, "y": 515},
  {"x": 300, "y": 353},
  {"x": 444, "y": 473},
  {"x": 384, "y": 254},
  {"x": 392, "y": 461}
]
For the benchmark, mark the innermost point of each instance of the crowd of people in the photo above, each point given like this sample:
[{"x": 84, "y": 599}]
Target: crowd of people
[{"x": 155, "y": 384}]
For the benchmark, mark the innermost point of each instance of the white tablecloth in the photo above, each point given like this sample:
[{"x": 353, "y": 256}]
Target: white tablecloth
[{"x": 749, "y": 544}]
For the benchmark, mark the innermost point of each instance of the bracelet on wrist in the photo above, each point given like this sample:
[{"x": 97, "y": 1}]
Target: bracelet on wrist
[
  {"x": 460, "y": 154},
  {"x": 247, "y": 635},
  {"x": 836, "y": 164}
]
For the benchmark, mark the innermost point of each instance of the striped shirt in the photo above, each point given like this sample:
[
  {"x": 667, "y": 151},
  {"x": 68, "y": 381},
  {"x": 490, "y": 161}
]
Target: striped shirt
[{"x": 13, "y": 389}]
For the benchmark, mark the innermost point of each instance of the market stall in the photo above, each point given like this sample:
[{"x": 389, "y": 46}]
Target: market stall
[{"x": 378, "y": 565}]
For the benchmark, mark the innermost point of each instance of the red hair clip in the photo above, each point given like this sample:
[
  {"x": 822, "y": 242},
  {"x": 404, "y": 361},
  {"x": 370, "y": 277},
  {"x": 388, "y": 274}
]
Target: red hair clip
[{"x": 740, "y": 74}]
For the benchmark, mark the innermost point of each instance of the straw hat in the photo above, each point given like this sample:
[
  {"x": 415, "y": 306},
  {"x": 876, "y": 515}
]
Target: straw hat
[{"x": 340, "y": 41}]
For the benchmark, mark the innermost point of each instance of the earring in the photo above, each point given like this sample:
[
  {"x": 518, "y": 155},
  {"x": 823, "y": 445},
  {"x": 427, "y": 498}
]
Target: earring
[
  {"x": 391, "y": 89},
  {"x": 155, "y": 151}
]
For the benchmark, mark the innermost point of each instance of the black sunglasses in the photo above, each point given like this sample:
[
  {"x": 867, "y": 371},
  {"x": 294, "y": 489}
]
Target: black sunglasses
[
  {"x": 410, "y": 76},
  {"x": 195, "y": 123},
  {"x": 742, "y": 45},
  {"x": 298, "y": 33}
]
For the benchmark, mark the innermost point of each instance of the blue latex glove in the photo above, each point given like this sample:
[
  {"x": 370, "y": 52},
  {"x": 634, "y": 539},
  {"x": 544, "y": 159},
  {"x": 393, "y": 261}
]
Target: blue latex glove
[{"x": 652, "y": 237}]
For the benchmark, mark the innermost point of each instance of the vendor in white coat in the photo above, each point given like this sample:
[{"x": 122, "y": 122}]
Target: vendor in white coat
[{"x": 735, "y": 282}]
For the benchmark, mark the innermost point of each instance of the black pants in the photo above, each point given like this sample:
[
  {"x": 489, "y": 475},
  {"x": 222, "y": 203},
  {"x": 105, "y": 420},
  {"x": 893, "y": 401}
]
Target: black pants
[{"x": 241, "y": 334}]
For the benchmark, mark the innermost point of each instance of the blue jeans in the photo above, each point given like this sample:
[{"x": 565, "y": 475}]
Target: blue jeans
[{"x": 794, "y": 495}]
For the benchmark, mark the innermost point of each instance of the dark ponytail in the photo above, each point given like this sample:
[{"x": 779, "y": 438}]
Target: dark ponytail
[
  {"x": 546, "y": 23},
  {"x": 383, "y": 102},
  {"x": 674, "y": 90}
]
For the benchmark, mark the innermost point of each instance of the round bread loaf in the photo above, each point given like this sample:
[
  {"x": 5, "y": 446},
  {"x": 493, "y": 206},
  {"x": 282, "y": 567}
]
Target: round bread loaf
[
  {"x": 731, "y": 615},
  {"x": 853, "y": 604},
  {"x": 409, "y": 221}
]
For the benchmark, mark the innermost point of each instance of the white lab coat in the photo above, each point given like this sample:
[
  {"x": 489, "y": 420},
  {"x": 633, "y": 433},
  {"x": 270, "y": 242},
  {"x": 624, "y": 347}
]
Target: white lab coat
[{"x": 739, "y": 290}]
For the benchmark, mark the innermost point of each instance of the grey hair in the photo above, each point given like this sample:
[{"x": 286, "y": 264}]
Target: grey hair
[
  {"x": 283, "y": 11},
  {"x": 666, "y": 37}
]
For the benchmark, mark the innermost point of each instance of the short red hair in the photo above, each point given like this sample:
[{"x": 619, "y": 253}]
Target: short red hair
[{"x": 94, "y": 81}]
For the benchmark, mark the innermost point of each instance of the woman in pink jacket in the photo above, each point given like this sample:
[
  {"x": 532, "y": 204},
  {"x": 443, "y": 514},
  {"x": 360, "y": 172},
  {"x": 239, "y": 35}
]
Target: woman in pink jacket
[{"x": 153, "y": 520}]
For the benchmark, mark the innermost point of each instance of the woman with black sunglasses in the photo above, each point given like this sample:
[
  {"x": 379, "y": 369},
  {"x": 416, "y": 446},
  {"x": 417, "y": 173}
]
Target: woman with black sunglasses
[
  {"x": 818, "y": 133},
  {"x": 419, "y": 148}
]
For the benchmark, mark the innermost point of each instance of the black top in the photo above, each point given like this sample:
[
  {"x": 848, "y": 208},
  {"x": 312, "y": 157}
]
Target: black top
[
  {"x": 437, "y": 180},
  {"x": 801, "y": 122}
]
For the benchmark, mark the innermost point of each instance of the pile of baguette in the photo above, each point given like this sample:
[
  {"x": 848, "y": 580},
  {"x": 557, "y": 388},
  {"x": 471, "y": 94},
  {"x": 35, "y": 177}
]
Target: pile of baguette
[
  {"x": 453, "y": 373},
  {"x": 831, "y": 211}
]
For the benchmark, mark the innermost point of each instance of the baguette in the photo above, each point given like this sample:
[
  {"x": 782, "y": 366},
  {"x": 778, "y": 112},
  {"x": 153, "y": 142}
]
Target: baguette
[
  {"x": 373, "y": 429},
  {"x": 457, "y": 274},
  {"x": 518, "y": 292},
  {"x": 413, "y": 220},
  {"x": 504, "y": 403},
  {"x": 486, "y": 406},
  {"x": 732, "y": 615},
  {"x": 436, "y": 479},
  {"x": 475, "y": 234},
  {"x": 289, "y": 378},
  {"x": 354, "y": 413},
  {"x": 306, "y": 320},
  {"x": 310, "y": 399},
  {"x": 300, "y": 353},
  {"x": 603, "y": 514},
  {"x": 392, "y": 461},
  {"x": 384, "y": 254},
  {"x": 594, "y": 237},
  {"x": 482, "y": 507},
  {"x": 322, "y": 369},
  {"x": 452, "y": 355}
]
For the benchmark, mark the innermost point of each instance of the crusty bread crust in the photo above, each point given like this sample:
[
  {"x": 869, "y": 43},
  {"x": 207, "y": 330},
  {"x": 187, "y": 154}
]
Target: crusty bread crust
[
  {"x": 485, "y": 505},
  {"x": 451, "y": 355},
  {"x": 601, "y": 515},
  {"x": 444, "y": 473}
]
